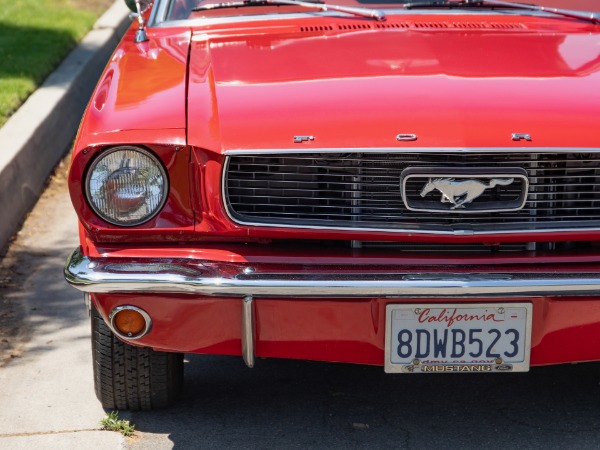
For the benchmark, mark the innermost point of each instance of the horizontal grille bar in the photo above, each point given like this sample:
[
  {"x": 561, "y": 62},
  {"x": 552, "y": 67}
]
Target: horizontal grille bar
[{"x": 364, "y": 190}]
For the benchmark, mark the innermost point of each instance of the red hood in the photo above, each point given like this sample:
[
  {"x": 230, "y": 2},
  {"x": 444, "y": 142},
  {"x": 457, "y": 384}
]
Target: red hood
[
  {"x": 458, "y": 82},
  {"x": 142, "y": 88}
]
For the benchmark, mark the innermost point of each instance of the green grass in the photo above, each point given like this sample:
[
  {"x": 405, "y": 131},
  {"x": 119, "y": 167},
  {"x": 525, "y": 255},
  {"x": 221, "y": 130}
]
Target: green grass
[
  {"x": 35, "y": 35},
  {"x": 112, "y": 423}
]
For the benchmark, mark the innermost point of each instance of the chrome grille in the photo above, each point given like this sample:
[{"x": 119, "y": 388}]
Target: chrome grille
[{"x": 362, "y": 190}]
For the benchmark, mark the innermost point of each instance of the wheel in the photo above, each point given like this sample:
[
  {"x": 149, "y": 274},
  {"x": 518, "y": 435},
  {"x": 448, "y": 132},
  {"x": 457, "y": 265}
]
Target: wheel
[{"x": 132, "y": 378}]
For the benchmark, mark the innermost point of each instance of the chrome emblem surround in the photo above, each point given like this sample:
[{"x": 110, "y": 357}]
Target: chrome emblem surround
[{"x": 459, "y": 189}]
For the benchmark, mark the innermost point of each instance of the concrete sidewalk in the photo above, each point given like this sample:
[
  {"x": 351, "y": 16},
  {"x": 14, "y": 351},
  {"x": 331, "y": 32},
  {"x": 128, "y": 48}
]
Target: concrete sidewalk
[
  {"x": 47, "y": 396},
  {"x": 39, "y": 134}
]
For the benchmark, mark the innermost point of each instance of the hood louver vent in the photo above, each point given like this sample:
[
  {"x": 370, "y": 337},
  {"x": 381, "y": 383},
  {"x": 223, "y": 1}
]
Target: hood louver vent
[
  {"x": 316, "y": 29},
  {"x": 360, "y": 26},
  {"x": 417, "y": 26}
]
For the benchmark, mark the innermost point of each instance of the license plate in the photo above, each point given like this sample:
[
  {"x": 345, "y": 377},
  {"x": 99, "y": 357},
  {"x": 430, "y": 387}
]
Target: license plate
[{"x": 458, "y": 338}]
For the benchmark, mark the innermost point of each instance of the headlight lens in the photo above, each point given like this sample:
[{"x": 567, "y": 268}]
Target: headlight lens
[{"x": 126, "y": 186}]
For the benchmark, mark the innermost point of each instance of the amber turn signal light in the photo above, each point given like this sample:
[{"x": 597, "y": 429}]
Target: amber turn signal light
[{"x": 130, "y": 322}]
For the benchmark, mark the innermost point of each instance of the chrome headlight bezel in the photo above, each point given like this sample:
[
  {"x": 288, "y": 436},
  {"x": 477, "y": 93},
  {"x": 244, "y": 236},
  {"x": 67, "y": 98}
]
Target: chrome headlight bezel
[{"x": 164, "y": 191}]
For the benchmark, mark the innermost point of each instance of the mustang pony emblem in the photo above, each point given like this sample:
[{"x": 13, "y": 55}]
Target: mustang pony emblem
[{"x": 460, "y": 193}]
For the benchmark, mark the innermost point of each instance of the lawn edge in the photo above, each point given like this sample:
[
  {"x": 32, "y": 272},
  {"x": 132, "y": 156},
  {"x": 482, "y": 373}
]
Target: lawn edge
[{"x": 40, "y": 132}]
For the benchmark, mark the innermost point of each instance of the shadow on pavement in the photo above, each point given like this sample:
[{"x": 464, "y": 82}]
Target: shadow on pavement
[
  {"x": 35, "y": 299},
  {"x": 295, "y": 404}
]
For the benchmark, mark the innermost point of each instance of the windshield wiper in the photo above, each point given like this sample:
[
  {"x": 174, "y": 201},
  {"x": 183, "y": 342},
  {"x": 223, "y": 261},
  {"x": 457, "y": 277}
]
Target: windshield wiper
[
  {"x": 320, "y": 5},
  {"x": 581, "y": 15}
]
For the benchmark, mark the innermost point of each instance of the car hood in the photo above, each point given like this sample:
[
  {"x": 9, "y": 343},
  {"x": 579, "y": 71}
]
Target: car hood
[{"x": 450, "y": 85}]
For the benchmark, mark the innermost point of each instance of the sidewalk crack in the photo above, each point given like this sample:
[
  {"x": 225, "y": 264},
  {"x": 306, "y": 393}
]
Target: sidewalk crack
[{"x": 42, "y": 433}]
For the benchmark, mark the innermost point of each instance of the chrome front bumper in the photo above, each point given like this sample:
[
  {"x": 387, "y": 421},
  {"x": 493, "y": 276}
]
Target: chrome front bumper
[{"x": 120, "y": 275}]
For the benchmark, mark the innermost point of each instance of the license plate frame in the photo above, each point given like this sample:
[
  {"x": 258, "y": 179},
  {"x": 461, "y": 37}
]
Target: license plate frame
[{"x": 462, "y": 308}]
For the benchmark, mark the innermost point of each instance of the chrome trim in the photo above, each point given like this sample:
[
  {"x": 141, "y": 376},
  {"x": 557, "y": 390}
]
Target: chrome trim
[
  {"x": 406, "y": 137},
  {"x": 301, "y": 139},
  {"x": 186, "y": 277},
  {"x": 212, "y": 21},
  {"x": 370, "y": 13},
  {"x": 224, "y": 195},
  {"x": 117, "y": 310},
  {"x": 414, "y": 231},
  {"x": 248, "y": 331},
  {"x": 521, "y": 137},
  {"x": 251, "y": 152},
  {"x": 87, "y": 299},
  {"x": 473, "y": 173},
  {"x": 238, "y": 152},
  {"x": 159, "y": 12},
  {"x": 411, "y": 230},
  {"x": 140, "y": 34},
  {"x": 590, "y": 16}
]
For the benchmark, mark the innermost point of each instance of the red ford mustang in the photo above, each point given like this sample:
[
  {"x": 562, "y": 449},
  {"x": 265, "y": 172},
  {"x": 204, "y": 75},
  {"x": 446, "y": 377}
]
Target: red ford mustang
[{"x": 410, "y": 185}]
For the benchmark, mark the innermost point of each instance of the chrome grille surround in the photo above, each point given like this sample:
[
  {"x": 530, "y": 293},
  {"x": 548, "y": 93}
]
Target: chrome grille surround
[{"x": 359, "y": 189}]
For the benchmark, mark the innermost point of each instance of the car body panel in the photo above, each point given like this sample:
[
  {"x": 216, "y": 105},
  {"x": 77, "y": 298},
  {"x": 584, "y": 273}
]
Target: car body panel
[
  {"x": 246, "y": 91},
  {"x": 143, "y": 86},
  {"x": 194, "y": 92},
  {"x": 360, "y": 88},
  {"x": 564, "y": 329}
]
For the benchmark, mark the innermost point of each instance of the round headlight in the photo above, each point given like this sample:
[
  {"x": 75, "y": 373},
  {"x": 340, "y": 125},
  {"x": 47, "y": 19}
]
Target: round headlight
[{"x": 126, "y": 186}]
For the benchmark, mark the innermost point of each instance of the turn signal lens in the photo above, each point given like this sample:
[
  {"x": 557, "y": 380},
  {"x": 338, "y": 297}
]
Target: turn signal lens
[
  {"x": 129, "y": 322},
  {"x": 126, "y": 186}
]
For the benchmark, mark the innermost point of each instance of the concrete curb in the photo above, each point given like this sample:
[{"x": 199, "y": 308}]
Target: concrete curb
[{"x": 38, "y": 135}]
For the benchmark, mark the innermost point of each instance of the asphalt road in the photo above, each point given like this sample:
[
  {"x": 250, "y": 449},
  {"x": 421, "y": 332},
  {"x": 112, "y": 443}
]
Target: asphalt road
[{"x": 47, "y": 400}]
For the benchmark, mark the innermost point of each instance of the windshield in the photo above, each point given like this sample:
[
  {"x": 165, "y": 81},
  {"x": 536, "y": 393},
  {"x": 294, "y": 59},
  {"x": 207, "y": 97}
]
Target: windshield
[{"x": 183, "y": 9}]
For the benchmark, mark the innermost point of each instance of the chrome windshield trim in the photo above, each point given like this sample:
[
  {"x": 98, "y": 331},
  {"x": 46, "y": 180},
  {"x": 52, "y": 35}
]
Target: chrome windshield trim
[
  {"x": 590, "y": 16},
  {"x": 211, "y": 21},
  {"x": 369, "y": 13},
  {"x": 158, "y": 13},
  {"x": 105, "y": 276}
]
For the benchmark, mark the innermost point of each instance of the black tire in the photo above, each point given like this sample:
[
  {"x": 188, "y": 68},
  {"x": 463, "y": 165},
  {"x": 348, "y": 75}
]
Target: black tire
[{"x": 132, "y": 378}]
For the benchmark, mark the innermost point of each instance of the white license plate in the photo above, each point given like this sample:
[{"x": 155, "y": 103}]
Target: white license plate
[{"x": 458, "y": 338}]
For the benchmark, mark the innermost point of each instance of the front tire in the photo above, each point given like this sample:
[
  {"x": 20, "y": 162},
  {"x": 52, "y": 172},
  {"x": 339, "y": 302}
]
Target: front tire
[{"x": 132, "y": 378}]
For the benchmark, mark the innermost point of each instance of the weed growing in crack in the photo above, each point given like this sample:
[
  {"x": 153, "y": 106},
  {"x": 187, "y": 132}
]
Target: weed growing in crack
[{"x": 112, "y": 423}]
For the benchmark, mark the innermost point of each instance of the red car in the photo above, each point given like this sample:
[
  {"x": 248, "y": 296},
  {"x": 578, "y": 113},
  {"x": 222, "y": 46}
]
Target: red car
[{"x": 413, "y": 185}]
